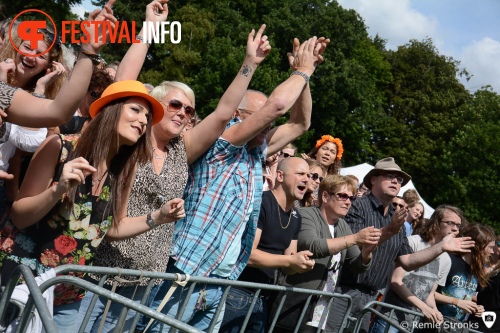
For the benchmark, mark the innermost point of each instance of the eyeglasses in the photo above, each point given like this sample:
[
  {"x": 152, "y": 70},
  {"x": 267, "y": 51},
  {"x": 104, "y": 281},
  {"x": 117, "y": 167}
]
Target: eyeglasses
[
  {"x": 345, "y": 196},
  {"x": 451, "y": 224},
  {"x": 175, "y": 106},
  {"x": 391, "y": 177},
  {"x": 398, "y": 205},
  {"x": 315, "y": 176}
]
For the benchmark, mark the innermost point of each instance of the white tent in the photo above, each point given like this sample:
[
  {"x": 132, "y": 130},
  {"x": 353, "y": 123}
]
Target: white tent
[{"x": 361, "y": 170}]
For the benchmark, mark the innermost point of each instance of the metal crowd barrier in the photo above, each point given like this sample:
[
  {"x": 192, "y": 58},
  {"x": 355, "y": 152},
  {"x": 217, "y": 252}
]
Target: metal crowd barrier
[
  {"x": 36, "y": 299},
  {"x": 373, "y": 309}
]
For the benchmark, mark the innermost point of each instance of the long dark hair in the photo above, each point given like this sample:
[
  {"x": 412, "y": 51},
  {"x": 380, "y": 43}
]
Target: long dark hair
[
  {"x": 482, "y": 235},
  {"x": 97, "y": 139},
  {"x": 307, "y": 200}
]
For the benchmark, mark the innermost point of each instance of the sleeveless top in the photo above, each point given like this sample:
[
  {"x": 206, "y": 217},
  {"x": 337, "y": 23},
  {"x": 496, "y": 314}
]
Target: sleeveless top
[
  {"x": 66, "y": 235},
  {"x": 150, "y": 250},
  {"x": 6, "y": 95}
]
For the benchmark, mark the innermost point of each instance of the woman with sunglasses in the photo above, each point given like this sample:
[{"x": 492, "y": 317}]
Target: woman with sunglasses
[
  {"x": 165, "y": 176},
  {"x": 20, "y": 104},
  {"x": 456, "y": 298},
  {"x": 75, "y": 190},
  {"x": 328, "y": 152},
  {"x": 329, "y": 238},
  {"x": 316, "y": 172}
]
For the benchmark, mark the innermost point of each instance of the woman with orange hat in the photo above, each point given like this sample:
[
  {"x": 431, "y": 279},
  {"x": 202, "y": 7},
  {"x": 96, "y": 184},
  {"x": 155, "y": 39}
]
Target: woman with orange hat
[
  {"x": 328, "y": 152},
  {"x": 74, "y": 187}
]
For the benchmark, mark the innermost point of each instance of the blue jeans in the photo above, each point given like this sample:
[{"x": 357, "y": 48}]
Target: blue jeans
[
  {"x": 64, "y": 316},
  {"x": 113, "y": 313},
  {"x": 197, "y": 318},
  {"x": 237, "y": 305},
  {"x": 379, "y": 326}
]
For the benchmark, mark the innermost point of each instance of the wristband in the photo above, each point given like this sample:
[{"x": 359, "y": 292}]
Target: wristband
[
  {"x": 96, "y": 59},
  {"x": 304, "y": 75},
  {"x": 38, "y": 95},
  {"x": 455, "y": 301},
  {"x": 151, "y": 223},
  {"x": 139, "y": 37}
]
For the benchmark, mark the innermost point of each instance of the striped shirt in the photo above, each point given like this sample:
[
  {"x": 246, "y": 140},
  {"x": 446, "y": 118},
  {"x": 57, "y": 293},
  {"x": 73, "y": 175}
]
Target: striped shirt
[
  {"x": 369, "y": 211},
  {"x": 222, "y": 203}
]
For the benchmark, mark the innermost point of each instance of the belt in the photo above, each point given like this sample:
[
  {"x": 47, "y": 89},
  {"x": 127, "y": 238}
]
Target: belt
[{"x": 365, "y": 289}]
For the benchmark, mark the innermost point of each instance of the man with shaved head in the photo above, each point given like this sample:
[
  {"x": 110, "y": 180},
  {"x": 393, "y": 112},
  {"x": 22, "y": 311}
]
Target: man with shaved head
[{"x": 275, "y": 246}]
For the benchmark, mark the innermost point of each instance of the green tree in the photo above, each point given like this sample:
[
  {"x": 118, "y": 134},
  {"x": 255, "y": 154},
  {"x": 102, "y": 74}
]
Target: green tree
[{"x": 59, "y": 10}]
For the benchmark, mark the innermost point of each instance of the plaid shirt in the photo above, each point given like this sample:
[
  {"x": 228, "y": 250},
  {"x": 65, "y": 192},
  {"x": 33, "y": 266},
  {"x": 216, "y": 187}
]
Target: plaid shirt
[{"x": 223, "y": 185}]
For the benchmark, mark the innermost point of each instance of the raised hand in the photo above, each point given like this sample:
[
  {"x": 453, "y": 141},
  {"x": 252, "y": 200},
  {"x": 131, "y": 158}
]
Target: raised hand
[
  {"x": 457, "y": 245},
  {"x": 258, "y": 48},
  {"x": 157, "y": 11},
  {"x": 106, "y": 14},
  {"x": 50, "y": 76},
  {"x": 319, "y": 49},
  {"x": 172, "y": 211},
  {"x": 73, "y": 174},
  {"x": 398, "y": 220},
  {"x": 7, "y": 67},
  {"x": 368, "y": 236}
]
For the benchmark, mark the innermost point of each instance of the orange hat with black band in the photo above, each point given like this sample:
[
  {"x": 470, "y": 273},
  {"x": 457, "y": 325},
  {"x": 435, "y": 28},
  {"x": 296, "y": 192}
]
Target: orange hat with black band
[{"x": 126, "y": 89}]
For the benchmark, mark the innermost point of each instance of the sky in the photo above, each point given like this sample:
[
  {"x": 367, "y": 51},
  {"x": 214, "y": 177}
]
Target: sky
[{"x": 467, "y": 31}]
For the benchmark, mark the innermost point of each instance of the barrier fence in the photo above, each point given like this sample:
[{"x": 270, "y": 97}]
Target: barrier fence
[{"x": 37, "y": 301}]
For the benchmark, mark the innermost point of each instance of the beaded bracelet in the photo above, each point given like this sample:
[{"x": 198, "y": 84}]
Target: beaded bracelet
[
  {"x": 38, "y": 95},
  {"x": 304, "y": 75},
  {"x": 139, "y": 37}
]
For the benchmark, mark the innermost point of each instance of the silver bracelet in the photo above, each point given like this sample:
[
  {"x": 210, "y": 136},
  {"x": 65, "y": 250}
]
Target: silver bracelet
[
  {"x": 139, "y": 37},
  {"x": 38, "y": 95},
  {"x": 304, "y": 75},
  {"x": 151, "y": 223}
]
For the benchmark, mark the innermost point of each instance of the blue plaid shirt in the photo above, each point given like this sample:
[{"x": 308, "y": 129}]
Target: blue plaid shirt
[{"x": 223, "y": 186}]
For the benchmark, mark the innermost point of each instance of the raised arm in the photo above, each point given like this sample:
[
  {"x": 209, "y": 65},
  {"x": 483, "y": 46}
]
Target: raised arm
[
  {"x": 132, "y": 62},
  {"x": 300, "y": 114},
  {"x": 281, "y": 99},
  {"x": 50, "y": 113},
  {"x": 213, "y": 125}
]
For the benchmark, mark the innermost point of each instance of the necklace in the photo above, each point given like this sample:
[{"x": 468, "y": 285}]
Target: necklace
[
  {"x": 98, "y": 180},
  {"x": 164, "y": 157},
  {"x": 279, "y": 214}
]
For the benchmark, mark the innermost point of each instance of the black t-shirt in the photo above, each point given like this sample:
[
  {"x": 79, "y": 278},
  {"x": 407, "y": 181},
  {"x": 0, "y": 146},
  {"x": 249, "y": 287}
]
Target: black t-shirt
[
  {"x": 74, "y": 126},
  {"x": 275, "y": 238}
]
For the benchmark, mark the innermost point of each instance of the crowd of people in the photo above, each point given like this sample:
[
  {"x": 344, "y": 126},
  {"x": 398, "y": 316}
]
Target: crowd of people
[{"x": 100, "y": 169}]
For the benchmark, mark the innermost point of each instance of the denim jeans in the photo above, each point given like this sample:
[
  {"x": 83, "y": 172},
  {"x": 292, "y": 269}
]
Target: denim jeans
[
  {"x": 113, "y": 312},
  {"x": 237, "y": 305},
  {"x": 64, "y": 316},
  {"x": 198, "y": 318},
  {"x": 379, "y": 326}
]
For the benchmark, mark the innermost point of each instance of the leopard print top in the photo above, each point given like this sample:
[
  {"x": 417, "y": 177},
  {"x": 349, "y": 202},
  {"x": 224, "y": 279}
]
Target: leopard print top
[
  {"x": 6, "y": 95},
  {"x": 150, "y": 250}
]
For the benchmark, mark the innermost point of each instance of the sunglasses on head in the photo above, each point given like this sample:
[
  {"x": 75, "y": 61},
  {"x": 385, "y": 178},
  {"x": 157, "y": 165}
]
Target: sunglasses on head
[
  {"x": 315, "y": 176},
  {"x": 175, "y": 106},
  {"x": 50, "y": 37},
  {"x": 345, "y": 196}
]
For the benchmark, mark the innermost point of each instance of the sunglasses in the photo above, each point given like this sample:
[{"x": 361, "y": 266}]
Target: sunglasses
[
  {"x": 398, "y": 205},
  {"x": 315, "y": 176},
  {"x": 175, "y": 106},
  {"x": 391, "y": 177},
  {"x": 498, "y": 243},
  {"x": 50, "y": 37},
  {"x": 345, "y": 196},
  {"x": 286, "y": 155},
  {"x": 95, "y": 94}
]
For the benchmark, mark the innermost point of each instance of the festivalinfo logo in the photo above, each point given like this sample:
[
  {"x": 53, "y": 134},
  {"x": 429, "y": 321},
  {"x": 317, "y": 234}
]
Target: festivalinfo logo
[{"x": 76, "y": 32}]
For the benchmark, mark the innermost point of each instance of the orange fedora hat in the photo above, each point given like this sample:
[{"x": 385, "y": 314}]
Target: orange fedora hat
[{"x": 127, "y": 88}]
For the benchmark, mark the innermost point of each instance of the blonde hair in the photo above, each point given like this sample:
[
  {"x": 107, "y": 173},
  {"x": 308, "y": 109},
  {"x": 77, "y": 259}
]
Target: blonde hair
[
  {"x": 333, "y": 183},
  {"x": 162, "y": 90}
]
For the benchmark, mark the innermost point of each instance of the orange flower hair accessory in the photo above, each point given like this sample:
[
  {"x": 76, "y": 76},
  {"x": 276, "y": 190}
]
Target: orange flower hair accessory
[{"x": 329, "y": 138}]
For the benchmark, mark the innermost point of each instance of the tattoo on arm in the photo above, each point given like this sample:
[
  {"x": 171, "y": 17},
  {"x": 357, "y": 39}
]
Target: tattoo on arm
[{"x": 245, "y": 70}]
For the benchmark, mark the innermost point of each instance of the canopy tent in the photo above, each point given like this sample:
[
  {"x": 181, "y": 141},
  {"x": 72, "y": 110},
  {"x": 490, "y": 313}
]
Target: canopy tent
[{"x": 361, "y": 170}]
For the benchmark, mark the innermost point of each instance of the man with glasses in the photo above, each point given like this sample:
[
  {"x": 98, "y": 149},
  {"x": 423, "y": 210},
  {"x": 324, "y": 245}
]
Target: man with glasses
[
  {"x": 398, "y": 202},
  {"x": 376, "y": 209}
]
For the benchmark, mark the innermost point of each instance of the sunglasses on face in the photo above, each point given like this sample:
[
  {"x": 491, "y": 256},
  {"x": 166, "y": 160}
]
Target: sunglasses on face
[
  {"x": 175, "y": 106},
  {"x": 391, "y": 177},
  {"x": 285, "y": 155},
  {"x": 95, "y": 94},
  {"x": 398, "y": 205},
  {"x": 315, "y": 176},
  {"x": 345, "y": 196}
]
